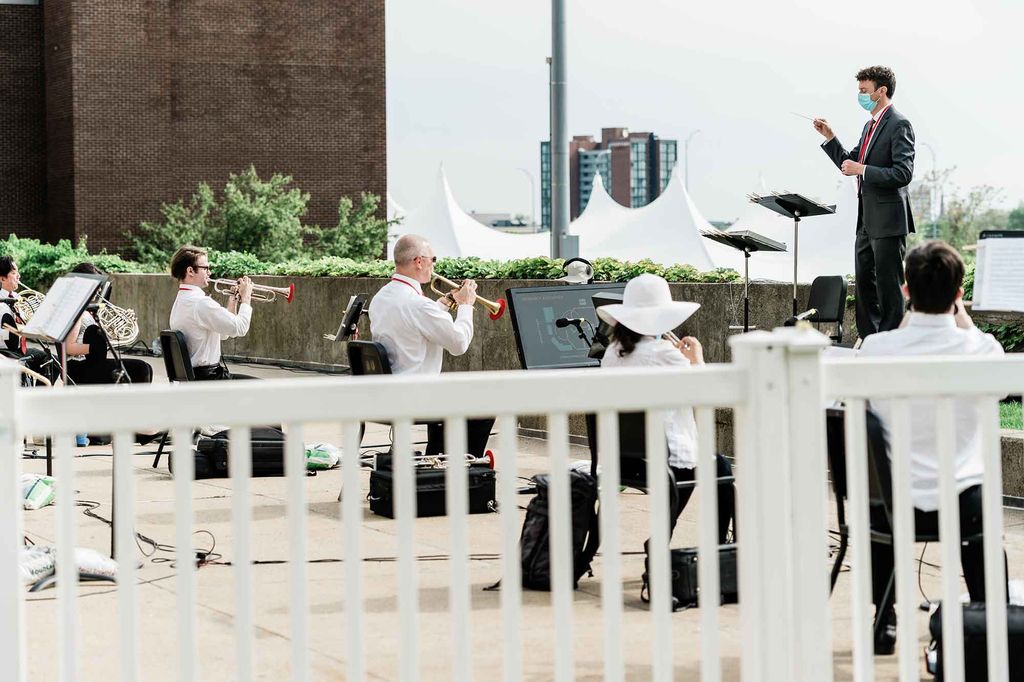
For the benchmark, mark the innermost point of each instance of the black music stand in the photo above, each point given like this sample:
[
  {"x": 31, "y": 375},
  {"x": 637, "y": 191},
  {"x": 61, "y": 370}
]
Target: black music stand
[
  {"x": 747, "y": 242},
  {"x": 795, "y": 206}
]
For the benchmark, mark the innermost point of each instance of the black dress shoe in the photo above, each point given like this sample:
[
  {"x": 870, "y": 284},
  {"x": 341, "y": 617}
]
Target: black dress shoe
[{"x": 885, "y": 641}]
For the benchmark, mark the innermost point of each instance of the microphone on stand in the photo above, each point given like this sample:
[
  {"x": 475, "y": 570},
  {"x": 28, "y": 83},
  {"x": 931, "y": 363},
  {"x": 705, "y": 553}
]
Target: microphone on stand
[{"x": 564, "y": 322}]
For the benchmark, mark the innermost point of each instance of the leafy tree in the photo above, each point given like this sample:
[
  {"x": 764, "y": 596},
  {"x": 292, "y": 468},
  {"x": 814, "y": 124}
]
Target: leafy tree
[
  {"x": 1015, "y": 220},
  {"x": 359, "y": 233},
  {"x": 183, "y": 223},
  {"x": 262, "y": 218},
  {"x": 963, "y": 217}
]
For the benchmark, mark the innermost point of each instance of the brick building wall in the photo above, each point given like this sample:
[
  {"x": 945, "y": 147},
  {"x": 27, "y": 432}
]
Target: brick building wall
[
  {"x": 147, "y": 98},
  {"x": 22, "y": 122}
]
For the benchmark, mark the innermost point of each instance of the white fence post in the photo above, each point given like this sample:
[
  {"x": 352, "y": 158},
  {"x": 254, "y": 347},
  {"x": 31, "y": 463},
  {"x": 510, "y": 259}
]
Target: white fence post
[
  {"x": 779, "y": 479},
  {"x": 12, "y": 621},
  {"x": 811, "y": 617}
]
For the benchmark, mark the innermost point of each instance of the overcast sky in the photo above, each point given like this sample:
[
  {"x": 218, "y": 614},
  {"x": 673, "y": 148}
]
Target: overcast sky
[{"x": 467, "y": 86}]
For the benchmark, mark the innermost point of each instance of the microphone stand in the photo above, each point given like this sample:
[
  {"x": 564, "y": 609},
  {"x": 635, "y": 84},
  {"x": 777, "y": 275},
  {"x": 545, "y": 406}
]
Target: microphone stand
[{"x": 583, "y": 334}]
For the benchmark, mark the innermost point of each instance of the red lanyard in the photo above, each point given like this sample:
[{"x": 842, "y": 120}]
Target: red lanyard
[{"x": 402, "y": 281}]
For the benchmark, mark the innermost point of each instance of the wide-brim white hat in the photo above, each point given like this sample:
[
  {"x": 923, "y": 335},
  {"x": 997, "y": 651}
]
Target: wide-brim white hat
[{"x": 647, "y": 307}]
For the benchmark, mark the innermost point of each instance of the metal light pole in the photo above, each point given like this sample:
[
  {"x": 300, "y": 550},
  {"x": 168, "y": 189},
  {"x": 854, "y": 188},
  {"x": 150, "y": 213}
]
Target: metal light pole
[
  {"x": 932, "y": 217},
  {"x": 686, "y": 159},
  {"x": 559, "y": 133},
  {"x": 533, "y": 197}
]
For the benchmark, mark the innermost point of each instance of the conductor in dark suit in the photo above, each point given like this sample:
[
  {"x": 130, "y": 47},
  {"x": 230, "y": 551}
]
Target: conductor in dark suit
[{"x": 883, "y": 162}]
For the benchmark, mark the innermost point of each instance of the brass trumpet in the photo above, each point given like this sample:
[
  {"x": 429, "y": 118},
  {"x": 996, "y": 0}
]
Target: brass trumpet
[
  {"x": 260, "y": 292},
  {"x": 495, "y": 308}
]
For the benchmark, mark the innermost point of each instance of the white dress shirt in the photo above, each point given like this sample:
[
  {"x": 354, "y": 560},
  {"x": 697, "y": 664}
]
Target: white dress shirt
[
  {"x": 205, "y": 323},
  {"x": 680, "y": 426},
  {"x": 86, "y": 321},
  {"x": 935, "y": 335},
  {"x": 415, "y": 329},
  {"x": 4, "y": 310}
]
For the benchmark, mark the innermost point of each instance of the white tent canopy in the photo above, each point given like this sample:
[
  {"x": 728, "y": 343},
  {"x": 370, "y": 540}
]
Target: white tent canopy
[
  {"x": 455, "y": 234},
  {"x": 668, "y": 231}
]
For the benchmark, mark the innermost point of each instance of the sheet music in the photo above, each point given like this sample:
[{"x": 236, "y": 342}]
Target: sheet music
[
  {"x": 999, "y": 275},
  {"x": 64, "y": 302}
]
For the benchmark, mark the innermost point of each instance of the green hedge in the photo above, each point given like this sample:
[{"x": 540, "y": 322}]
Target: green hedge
[{"x": 40, "y": 264}]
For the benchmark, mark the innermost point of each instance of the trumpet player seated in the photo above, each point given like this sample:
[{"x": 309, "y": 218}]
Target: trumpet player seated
[
  {"x": 640, "y": 324},
  {"x": 12, "y": 345},
  {"x": 416, "y": 330},
  {"x": 203, "y": 321},
  {"x": 86, "y": 348}
]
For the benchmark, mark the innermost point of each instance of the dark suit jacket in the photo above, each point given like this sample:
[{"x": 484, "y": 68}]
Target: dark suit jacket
[{"x": 890, "y": 167}]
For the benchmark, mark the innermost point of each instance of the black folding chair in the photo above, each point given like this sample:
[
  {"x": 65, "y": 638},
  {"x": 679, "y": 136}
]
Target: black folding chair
[
  {"x": 633, "y": 456},
  {"x": 827, "y": 300},
  {"x": 178, "y": 364}
]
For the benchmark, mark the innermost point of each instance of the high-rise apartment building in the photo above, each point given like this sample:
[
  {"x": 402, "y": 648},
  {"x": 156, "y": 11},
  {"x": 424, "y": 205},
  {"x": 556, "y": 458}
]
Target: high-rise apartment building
[{"x": 634, "y": 167}]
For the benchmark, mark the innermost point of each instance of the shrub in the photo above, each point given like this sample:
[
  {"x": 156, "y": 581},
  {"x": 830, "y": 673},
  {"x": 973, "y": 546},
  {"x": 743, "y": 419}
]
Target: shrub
[
  {"x": 40, "y": 264},
  {"x": 359, "y": 234},
  {"x": 259, "y": 217}
]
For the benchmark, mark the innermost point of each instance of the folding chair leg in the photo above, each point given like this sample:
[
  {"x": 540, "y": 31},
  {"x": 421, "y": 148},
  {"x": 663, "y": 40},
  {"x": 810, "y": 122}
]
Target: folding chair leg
[
  {"x": 844, "y": 540},
  {"x": 160, "y": 450},
  {"x": 887, "y": 604}
]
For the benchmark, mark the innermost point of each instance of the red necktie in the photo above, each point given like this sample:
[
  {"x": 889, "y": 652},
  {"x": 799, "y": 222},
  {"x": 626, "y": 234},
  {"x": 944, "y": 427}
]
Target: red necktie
[{"x": 867, "y": 140}]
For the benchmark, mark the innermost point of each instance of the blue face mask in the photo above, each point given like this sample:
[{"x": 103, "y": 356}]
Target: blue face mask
[{"x": 865, "y": 101}]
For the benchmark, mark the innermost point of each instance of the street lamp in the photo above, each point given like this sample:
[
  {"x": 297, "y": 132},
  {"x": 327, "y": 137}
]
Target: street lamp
[
  {"x": 533, "y": 197},
  {"x": 686, "y": 159},
  {"x": 932, "y": 217}
]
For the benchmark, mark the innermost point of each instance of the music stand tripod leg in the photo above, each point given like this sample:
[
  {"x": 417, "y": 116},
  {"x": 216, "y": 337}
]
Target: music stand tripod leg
[
  {"x": 796, "y": 251},
  {"x": 746, "y": 290}
]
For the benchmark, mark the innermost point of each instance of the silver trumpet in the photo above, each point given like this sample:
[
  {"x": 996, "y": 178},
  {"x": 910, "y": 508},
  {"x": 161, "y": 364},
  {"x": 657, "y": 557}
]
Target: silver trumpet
[{"x": 260, "y": 292}]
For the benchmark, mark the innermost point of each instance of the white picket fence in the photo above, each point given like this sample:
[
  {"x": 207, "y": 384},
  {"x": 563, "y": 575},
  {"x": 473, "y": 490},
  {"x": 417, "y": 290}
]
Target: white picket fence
[{"x": 777, "y": 385}]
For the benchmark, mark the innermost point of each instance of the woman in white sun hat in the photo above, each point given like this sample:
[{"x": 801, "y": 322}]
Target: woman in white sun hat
[{"x": 647, "y": 311}]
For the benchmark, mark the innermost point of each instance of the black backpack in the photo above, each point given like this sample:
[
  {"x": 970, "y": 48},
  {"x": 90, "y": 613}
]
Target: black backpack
[{"x": 533, "y": 545}]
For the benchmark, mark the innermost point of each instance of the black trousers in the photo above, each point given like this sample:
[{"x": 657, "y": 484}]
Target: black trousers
[
  {"x": 106, "y": 371},
  {"x": 972, "y": 556},
  {"x": 879, "y": 273},
  {"x": 477, "y": 433},
  {"x": 678, "y": 498}
]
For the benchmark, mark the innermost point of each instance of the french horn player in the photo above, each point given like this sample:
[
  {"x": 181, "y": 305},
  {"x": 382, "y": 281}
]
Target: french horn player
[
  {"x": 90, "y": 339},
  {"x": 11, "y": 306}
]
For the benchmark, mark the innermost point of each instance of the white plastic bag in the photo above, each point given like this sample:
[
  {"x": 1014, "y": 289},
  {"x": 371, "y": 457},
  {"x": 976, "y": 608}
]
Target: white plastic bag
[
  {"x": 37, "y": 490},
  {"x": 321, "y": 456}
]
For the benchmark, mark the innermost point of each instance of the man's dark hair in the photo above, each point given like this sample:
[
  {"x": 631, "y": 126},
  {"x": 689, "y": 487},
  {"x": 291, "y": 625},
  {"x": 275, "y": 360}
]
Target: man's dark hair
[
  {"x": 935, "y": 273},
  {"x": 6, "y": 265},
  {"x": 184, "y": 258},
  {"x": 879, "y": 75}
]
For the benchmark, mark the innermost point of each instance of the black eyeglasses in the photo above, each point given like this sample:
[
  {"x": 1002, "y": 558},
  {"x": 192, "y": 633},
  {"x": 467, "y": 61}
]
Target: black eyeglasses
[
  {"x": 433, "y": 259},
  {"x": 201, "y": 267}
]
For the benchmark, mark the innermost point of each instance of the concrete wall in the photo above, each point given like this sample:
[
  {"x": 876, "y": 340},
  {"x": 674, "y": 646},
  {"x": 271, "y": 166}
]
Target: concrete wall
[{"x": 295, "y": 331}]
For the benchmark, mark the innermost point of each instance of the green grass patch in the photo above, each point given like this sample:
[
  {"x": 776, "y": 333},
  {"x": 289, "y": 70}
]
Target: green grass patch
[{"x": 1010, "y": 416}]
